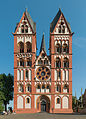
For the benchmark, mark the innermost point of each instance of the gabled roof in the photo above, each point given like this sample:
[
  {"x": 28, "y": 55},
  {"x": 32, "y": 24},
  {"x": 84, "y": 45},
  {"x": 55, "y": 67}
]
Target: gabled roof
[
  {"x": 55, "y": 20},
  {"x": 43, "y": 44},
  {"x": 33, "y": 24}
]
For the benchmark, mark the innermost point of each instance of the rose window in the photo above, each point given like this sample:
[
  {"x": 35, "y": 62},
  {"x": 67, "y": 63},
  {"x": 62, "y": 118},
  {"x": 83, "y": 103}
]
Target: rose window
[{"x": 42, "y": 73}]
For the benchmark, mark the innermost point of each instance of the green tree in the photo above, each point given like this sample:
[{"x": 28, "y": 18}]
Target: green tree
[
  {"x": 74, "y": 102},
  {"x": 7, "y": 88},
  {"x": 2, "y": 97}
]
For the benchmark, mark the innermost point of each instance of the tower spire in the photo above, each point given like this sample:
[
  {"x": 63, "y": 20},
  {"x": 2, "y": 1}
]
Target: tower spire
[{"x": 43, "y": 44}]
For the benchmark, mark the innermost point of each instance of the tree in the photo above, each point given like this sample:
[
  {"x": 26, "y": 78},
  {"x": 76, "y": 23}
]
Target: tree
[
  {"x": 7, "y": 88},
  {"x": 2, "y": 97},
  {"x": 74, "y": 102}
]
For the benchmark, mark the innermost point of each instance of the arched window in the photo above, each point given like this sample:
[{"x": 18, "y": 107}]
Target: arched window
[
  {"x": 38, "y": 86},
  {"x": 66, "y": 63},
  {"x": 40, "y": 62},
  {"x": 46, "y": 62},
  {"x": 27, "y": 100},
  {"x": 58, "y": 75},
  {"x": 29, "y": 62},
  {"x": 63, "y": 29},
  {"x": 48, "y": 87},
  {"x": 26, "y": 29},
  {"x": 59, "y": 30},
  {"x": 28, "y": 47},
  {"x": 58, "y": 101},
  {"x": 21, "y": 47},
  {"x": 58, "y": 88},
  {"x": 43, "y": 86},
  {"x": 58, "y": 48},
  {"x": 58, "y": 62},
  {"x": 66, "y": 88},
  {"x": 22, "y": 29},
  {"x": 20, "y": 88},
  {"x": 28, "y": 88},
  {"x": 21, "y": 62},
  {"x": 65, "y": 48},
  {"x": 27, "y": 74}
]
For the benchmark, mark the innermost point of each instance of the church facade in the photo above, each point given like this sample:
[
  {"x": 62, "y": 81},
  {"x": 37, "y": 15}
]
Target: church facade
[{"x": 44, "y": 82}]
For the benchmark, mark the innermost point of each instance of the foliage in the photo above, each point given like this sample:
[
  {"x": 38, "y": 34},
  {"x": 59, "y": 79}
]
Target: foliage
[
  {"x": 74, "y": 102},
  {"x": 7, "y": 88}
]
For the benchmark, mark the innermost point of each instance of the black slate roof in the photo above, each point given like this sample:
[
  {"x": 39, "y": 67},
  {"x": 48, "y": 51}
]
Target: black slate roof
[
  {"x": 33, "y": 24},
  {"x": 43, "y": 44},
  {"x": 55, "y": 20}
]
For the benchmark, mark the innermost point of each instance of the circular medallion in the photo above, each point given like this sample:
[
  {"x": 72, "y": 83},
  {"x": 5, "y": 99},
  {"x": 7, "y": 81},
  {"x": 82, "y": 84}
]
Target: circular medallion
[{"x": 43, "y": 73}]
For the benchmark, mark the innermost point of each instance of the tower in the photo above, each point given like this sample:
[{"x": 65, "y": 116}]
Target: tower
[
  {"x": 61, "y": 64},
  {"x": 24, "y": 58},
  {"x": 43, "y": 83}
]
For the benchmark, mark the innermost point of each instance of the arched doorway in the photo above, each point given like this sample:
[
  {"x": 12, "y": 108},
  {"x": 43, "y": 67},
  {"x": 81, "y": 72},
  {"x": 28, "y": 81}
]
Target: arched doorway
[{"x": 43, "y": 104}]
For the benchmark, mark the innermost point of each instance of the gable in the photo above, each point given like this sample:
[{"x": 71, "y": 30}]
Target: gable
[
  {"x": 26, "y": 25},
  {"x": 60, "y": 25},
  {"x": 43, "y": 56}
]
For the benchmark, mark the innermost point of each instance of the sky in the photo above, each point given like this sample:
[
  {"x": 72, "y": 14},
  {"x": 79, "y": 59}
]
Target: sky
[{"x": 43, "y": 12}]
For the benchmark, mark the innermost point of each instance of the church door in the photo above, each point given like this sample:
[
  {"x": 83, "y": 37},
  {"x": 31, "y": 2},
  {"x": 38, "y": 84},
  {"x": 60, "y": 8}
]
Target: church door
[{"x": 43, "y": 106}]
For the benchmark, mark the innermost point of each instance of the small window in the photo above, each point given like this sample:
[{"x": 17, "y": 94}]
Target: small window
[
  {"x": 58, "y": 100},
  {"x": 21, "y": 63},
  {"x": 43, "y": 86},
  {"x": 29, "y": 63},
  {"x": 28, "y": 100},
  {"x": 26, "y": 73},
  {"x": 38, "y": 87}
]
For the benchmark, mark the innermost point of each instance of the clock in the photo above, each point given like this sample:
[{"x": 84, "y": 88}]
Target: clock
[{"x": 43, "y": 73}]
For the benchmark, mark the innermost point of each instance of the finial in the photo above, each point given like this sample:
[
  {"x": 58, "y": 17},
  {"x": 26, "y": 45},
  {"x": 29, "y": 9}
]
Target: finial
[{"x": 26, "y": 9}]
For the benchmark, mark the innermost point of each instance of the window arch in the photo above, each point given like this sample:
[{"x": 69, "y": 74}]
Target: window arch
[
  {"x": 20, "y": 88},
  {"x": 66, "y": 88},
  {"x": 43, "y": 86},
  {"x": 38, "y": 86},
  {"x": 65, "y": 48},
  {"x": 58, "y": 48},
  {"x": 48, "y": 87},
  {"x": 58, "y": 62},
  {"x": 21, "y": 62},
  {"x": 40, "y": 62},
  {"x": 46, "y": 61},
  {"x": 27, "y": 100},
  {"x": 22, "y": 29},
  {"x": 21, "y": 47},
  {"x": 27, "y": 74},
  {"x": 28, "y": 47},
  {"x": 28, "y": 88},
  {"x": 66, "y": 63},
  {"x": 58, "y": 100},
  {"x": 58, "y": 88},
  {"x": 26, "y": 29}
]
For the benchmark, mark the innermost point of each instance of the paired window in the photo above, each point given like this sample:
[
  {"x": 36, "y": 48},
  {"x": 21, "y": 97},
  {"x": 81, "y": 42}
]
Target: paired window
[{"x": 24, "y": 28}]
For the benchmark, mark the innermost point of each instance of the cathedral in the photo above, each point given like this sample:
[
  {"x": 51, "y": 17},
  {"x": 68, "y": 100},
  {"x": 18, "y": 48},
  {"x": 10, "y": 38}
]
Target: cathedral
[{"x": 43, "y": 83}]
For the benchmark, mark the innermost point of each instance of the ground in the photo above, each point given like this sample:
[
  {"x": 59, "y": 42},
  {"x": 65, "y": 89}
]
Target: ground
[{"x": 43, "y": 116}]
